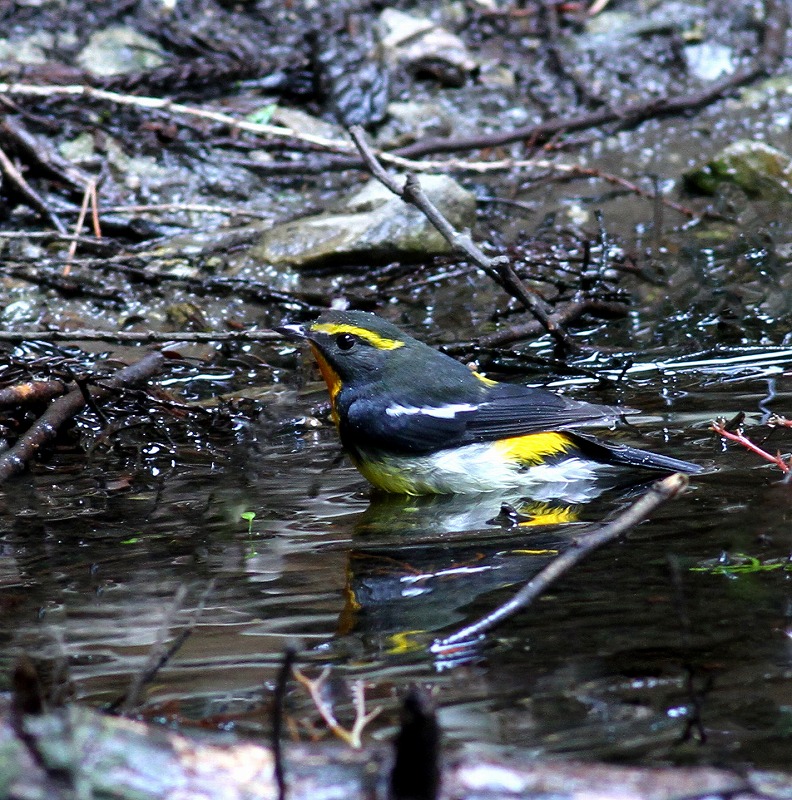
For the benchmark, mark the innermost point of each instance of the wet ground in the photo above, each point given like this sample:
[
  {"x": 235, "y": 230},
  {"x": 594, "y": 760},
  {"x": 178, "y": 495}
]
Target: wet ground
[{"x": 671, "y": 646}]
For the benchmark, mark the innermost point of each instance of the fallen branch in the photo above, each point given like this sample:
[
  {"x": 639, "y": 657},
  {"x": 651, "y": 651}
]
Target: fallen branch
[
  {"x": 564, "y": 314},
  {"x": 30, "y": 196},
  {"x": 658, "y": 493},
  {"x": 722, "y": 429},
  {"x": 168, "y": 106},
  {"x": 46, "y": 427},
  {"x": 31, "y": 392},
  {"x": 499, "y": 269},
  {"x": 139, "y": 337}
]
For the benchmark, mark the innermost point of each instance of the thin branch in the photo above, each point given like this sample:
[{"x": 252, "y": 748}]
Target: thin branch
[
  {"x": 169, "y": 107},
  {"x": 26, "y": 190},
  {"x": 353, "y": 736},
  {"x": 738, "y": 436},
  {"x": 139, "y": 337},
  {"x": 197, "y": 208},
  {"x": 499, "y": 269},
  {"x": 285, "y": 671},
  {"x": 582, "y": 546},
  {"x": 79, "y": 224}
]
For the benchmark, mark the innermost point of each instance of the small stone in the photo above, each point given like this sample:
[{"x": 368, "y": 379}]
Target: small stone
[
  {"x": 372, "y": 225},
  {"x": 117, "y": 50}
]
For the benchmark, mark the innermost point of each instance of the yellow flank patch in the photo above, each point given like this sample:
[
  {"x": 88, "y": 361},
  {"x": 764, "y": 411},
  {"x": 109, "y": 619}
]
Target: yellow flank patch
[
  {"x": 331, "y": 379},
  {"x": 484, "y": 379},
  {"x": 533, "y": 448},
  {"x": 374, "y": 339}
]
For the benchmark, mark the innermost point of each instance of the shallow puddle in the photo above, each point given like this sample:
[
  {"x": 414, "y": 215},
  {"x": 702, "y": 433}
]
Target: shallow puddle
[{"x": 642, "y": 648}]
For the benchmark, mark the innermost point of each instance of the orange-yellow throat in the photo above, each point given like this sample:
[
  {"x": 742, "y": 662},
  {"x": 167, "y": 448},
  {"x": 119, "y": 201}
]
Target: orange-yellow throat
[{"x": 331, "y": 379}]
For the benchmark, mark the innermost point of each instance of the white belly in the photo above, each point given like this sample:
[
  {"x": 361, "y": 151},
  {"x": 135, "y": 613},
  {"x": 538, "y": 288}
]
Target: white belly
[{"x": 473, "y": 468}]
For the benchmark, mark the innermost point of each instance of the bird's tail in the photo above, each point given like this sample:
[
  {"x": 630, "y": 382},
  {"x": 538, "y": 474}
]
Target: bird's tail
[{"x": 626, "y": 456}]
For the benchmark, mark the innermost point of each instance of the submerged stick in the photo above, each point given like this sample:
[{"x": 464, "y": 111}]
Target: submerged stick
[{"x": 658, "y": 493}]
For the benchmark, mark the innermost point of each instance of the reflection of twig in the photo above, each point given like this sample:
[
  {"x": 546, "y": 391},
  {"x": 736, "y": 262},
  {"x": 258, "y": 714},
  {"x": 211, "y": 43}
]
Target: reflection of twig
[
  {"x": 499, "y": 269},
  {"x": 722, "y": 429},
  {"x": 657, "y": 494},
  {"x": 353, "y": 736},
  {"x": 161, "y": 653},
  {"x": 694, "y": 721}
]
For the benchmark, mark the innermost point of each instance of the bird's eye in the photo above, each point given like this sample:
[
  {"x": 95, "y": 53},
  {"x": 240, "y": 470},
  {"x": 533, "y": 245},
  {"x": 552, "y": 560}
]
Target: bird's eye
[{"x": 345, "y": 341}]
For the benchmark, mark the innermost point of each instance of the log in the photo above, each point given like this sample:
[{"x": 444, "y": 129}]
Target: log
[{"x": 79, "y": 752}]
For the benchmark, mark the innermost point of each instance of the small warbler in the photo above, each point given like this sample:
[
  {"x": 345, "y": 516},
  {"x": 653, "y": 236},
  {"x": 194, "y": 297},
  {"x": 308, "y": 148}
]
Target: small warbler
[{"x": 415, "y": 421}]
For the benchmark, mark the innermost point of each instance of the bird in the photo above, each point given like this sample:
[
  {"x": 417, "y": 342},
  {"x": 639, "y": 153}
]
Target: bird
[{"x": 415, "y": 421}]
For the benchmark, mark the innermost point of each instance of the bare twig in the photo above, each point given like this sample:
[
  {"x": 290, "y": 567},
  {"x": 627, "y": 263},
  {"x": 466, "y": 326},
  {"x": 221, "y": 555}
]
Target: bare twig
[
  {"x": 657, "y": 494},
  {"x": 90, "y": 190},
  {"x": 285, "y": 671},
  {"x": 499, "y": 269},
  {"x": 169, "y": 107},
  {"x": 197, "y": 208},
  {"x": 45, "y": 429},
  {"x": 353, "y": 736},
  {"x": 720, "y": 427},
  {"x": 139, "y": 337},
  {"x": 26, "y": 190}
]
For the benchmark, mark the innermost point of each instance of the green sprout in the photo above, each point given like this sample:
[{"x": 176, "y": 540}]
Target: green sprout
[
  {"x": 249, "y": 516},
  {"x": 263, "y": 115}
]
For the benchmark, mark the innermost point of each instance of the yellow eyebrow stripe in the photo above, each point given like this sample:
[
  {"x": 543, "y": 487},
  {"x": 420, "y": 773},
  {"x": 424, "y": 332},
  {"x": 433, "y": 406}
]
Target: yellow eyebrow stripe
[{"x": 374, "y": 339}]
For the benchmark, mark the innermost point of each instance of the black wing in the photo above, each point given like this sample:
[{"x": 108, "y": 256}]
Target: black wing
[
  {"x": 513, "y": 410},
  {"x": 502, "y": 411}
]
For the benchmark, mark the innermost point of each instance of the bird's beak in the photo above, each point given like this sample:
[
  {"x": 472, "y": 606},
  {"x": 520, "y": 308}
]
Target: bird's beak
[{"x": 299, "y": 332}]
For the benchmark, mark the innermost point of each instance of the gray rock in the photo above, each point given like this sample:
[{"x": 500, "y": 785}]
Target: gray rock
[
  {"x": 409, "y": 121},
  {"x": 371, "y": 225},
  {"x": 119, "y": 49},
  {"x": 420, "y": 46},
  {"x": 759, "y": 170}
]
